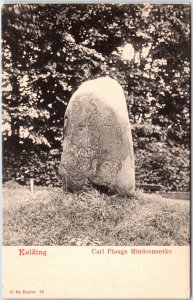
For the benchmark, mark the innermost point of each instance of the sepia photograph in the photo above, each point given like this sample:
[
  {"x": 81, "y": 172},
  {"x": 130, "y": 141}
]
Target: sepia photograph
[{"x": 96, "y": 124}]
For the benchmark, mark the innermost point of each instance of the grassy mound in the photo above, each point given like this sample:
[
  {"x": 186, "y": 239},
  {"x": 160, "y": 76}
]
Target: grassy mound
[{"x": 91, "y": 218}]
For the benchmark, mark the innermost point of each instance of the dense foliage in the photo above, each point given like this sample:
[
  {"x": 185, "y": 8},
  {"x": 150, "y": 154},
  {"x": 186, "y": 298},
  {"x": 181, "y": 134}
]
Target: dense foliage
[{"x": 48, "y": 50}]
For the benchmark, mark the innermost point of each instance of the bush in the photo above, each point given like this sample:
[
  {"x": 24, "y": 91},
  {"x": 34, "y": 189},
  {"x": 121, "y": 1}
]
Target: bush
[
  {"x": 156, "y": 163},
  {"x": 25, "y": 164},
  {"x": 161, "y": 164},
  {"x": 49, "y": 50}
]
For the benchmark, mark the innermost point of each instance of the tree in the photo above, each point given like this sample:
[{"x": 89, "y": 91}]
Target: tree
[{"x": 49, "y": 50}]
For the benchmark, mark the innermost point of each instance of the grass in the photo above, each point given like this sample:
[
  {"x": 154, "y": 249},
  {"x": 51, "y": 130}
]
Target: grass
[{"x": 91, "y": 218}]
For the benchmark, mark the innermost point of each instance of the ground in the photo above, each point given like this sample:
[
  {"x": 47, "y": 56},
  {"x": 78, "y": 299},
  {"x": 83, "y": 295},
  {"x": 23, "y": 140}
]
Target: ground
[{"x": 51, "y": 217}]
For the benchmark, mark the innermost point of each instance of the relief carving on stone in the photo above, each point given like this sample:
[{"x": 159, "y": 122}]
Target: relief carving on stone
[{"x": 94, "y": 142}]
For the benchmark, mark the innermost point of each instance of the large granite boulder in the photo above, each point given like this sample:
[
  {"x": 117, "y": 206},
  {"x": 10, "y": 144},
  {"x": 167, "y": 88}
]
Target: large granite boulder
[{"x": 98, "y": 146}]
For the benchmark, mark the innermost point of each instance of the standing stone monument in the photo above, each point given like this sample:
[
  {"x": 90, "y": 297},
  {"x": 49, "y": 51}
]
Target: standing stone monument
[{"x": 98, "y": 146}]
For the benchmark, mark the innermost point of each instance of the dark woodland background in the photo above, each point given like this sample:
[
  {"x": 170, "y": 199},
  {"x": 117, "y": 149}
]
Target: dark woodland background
[{"x": 49, "y": 50}]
